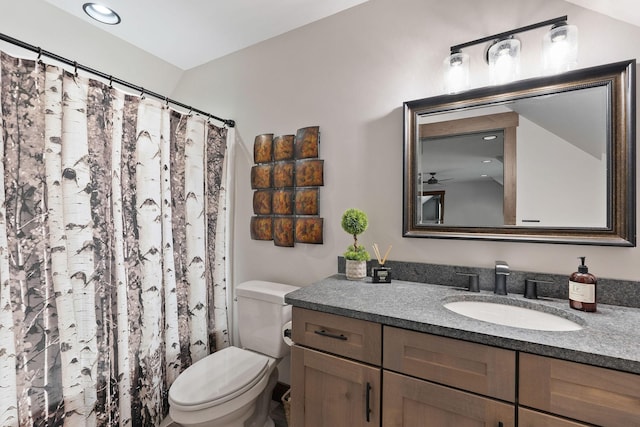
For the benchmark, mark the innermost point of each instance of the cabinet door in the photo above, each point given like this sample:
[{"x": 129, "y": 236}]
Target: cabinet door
[
  {"x": 587, "y": 393},
  {"x": 528, "y": 418},
  {"x": 409, "y": 402},
  {"x": 329, "y": 391}
]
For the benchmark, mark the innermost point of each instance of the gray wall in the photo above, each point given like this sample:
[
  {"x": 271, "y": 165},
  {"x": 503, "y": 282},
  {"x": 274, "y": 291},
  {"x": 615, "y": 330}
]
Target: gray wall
[{"x": 350, "y": 74}]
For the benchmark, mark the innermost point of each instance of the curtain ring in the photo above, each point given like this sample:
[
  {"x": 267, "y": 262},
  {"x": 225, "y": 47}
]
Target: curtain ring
[
  {"x": 190, "y": 111},
  {"x": 111, "y": 81},
  {"x": 141, "y": 92},
  {"x": 75, "y": 68},
  {"x": 166, "y": 102},
  {"x": 39, "y": 58}
]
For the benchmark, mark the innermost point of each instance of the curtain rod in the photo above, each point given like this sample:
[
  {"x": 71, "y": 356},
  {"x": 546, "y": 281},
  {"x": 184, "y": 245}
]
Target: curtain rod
[{"x": 110, "y": 78}]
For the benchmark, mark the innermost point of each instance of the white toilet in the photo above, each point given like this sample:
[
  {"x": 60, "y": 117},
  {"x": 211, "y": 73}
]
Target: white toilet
[{"x": 232, "y": 387}]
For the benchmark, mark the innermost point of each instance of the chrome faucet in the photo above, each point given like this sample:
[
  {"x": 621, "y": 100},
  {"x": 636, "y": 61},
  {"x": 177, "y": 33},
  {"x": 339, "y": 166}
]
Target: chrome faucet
[{"x": 502, "y": 271}]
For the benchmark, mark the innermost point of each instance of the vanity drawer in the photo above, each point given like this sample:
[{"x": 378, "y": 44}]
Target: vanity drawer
[
  {"x": 474, "y": 367},
  {"x": 344, "y": 336},
  {"x": 587, "y": 393}
]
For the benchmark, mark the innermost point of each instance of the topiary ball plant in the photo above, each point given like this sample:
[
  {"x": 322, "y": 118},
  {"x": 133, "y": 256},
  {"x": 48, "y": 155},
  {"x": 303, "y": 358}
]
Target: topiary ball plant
[{"x": 354, "y": 222}]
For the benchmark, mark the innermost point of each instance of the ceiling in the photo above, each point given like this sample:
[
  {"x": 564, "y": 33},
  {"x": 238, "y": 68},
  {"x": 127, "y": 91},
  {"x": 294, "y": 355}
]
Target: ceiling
[
  {"x": 623, "y": 10},
  {"x": 166, "y": 28},
  {"x": 221, "y": 27}
]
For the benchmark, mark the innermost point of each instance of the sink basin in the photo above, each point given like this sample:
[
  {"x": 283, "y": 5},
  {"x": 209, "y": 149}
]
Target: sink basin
[{"x": 514, "y": 316}]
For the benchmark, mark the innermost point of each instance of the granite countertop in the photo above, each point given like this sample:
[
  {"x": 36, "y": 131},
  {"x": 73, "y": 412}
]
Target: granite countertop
[{"x": 609, "y": 338}]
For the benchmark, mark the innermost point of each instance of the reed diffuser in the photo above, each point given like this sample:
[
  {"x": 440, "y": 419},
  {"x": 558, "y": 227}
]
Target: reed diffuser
[{"x": 381, "y": 274}]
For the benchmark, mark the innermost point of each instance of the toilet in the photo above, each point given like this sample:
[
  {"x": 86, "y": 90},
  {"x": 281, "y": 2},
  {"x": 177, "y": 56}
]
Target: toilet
[{"x": 232, "y": 387}]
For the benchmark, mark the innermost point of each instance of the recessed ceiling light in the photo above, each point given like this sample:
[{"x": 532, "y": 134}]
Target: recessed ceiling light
[
  {"x": 489, "y": 137},
  {"x": 101, "y": 13}
]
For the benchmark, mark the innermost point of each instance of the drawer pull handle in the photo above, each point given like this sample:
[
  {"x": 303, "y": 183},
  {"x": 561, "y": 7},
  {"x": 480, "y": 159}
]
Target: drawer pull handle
[
  {"x": 368, "y": 408},
  {"x": 500, "y": 424},
  {"x": 330, "y": 335}
]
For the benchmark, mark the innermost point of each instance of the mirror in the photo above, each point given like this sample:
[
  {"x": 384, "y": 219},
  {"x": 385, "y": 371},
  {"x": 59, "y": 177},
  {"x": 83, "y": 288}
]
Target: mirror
[{"x": 549, "y": 159}]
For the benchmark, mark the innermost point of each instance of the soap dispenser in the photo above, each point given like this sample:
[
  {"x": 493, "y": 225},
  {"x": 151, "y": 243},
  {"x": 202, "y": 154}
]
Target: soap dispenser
[{"x": 582, "y": 288}]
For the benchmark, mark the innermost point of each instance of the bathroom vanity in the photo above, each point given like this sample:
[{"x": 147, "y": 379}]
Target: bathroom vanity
[{"x": 392, "y": 355}]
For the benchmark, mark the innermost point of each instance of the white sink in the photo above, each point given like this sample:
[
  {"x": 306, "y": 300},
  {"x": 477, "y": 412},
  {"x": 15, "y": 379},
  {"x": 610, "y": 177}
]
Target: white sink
[{"x": 510, "y": 315}]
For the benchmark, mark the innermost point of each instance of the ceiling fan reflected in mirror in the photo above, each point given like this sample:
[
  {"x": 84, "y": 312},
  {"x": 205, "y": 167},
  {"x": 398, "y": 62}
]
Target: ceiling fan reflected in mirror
[{"x": 433, "y": 180}]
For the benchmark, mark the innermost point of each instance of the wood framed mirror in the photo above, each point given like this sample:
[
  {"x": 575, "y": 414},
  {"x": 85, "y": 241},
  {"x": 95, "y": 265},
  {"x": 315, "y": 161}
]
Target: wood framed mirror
[{"x": 548, "y": 159}]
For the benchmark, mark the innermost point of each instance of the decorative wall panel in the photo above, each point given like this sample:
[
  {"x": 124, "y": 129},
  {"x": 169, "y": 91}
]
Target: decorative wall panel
[{"x": 286, "y": 178}]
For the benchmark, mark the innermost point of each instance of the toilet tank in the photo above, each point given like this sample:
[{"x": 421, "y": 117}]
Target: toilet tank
[{"x": 262, "y": 313}]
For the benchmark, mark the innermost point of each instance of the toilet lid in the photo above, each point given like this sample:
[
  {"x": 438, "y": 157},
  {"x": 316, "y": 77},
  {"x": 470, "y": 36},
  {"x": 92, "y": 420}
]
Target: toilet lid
[{"x": 219, "y": 377}]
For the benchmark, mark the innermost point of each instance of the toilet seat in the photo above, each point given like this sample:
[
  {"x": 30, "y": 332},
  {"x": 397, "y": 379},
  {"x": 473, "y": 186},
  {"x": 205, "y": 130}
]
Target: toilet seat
[{"x": 218, "y": 378}]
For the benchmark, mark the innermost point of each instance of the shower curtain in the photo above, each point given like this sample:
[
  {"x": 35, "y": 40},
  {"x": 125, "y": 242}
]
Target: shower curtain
[{"x": 112, "y": 249}]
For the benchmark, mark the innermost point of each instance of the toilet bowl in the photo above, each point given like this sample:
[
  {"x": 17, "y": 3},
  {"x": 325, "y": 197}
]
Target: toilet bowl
[
  {"x": 233, "y": 386},
  {"x": 222, "y": 389}
]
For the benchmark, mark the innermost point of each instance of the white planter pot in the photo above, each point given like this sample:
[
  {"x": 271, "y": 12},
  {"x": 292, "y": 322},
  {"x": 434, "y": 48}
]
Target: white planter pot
[{"x": 356, "y": 270}]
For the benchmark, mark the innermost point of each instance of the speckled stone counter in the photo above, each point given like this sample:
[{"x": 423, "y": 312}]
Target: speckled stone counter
[
  {"x": 610, "y": 337},
  {"x": 610, "y": 291}
]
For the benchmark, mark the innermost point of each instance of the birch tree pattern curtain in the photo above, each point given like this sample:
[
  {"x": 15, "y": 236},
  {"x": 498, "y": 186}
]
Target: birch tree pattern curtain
[{"x": 112, "y": 246}]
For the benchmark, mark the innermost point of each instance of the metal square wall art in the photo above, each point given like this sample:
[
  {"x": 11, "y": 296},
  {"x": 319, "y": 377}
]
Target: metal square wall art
[{"x": 287, "y": 176}]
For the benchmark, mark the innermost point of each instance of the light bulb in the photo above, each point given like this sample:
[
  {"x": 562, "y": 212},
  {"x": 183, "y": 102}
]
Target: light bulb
[
  {"x": 504, "y": 60},
  {"x": 456, "y": 72},
  {"x": 560, "y": 49}
]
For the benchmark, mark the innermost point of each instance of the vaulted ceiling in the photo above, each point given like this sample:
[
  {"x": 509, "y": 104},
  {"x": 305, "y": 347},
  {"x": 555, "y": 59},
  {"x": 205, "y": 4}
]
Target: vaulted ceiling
[{"x": 167, "y": 28}]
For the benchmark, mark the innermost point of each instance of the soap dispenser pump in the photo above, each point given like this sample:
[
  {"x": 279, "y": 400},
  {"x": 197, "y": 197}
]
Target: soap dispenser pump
[{"x": 582, "y": 288}]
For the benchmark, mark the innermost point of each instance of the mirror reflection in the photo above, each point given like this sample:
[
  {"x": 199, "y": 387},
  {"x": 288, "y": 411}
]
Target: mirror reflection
[{"x": 556, "y": 160}]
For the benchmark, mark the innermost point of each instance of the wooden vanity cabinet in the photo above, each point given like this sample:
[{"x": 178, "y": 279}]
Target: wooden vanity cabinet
[
  {"x": 341, "y": 377},
  {"x": 446, "y": 381},
  {"x": 586, "y": 393},
  {"x": 331, "y": 391},
  {"x": 336, "y": 372}
]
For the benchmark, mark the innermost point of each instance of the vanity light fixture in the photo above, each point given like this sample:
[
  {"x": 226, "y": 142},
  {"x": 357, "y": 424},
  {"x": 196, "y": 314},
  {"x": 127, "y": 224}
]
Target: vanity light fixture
[
  {"x": 503, "y": 54},
  {"x": 101, "y": 13}
]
